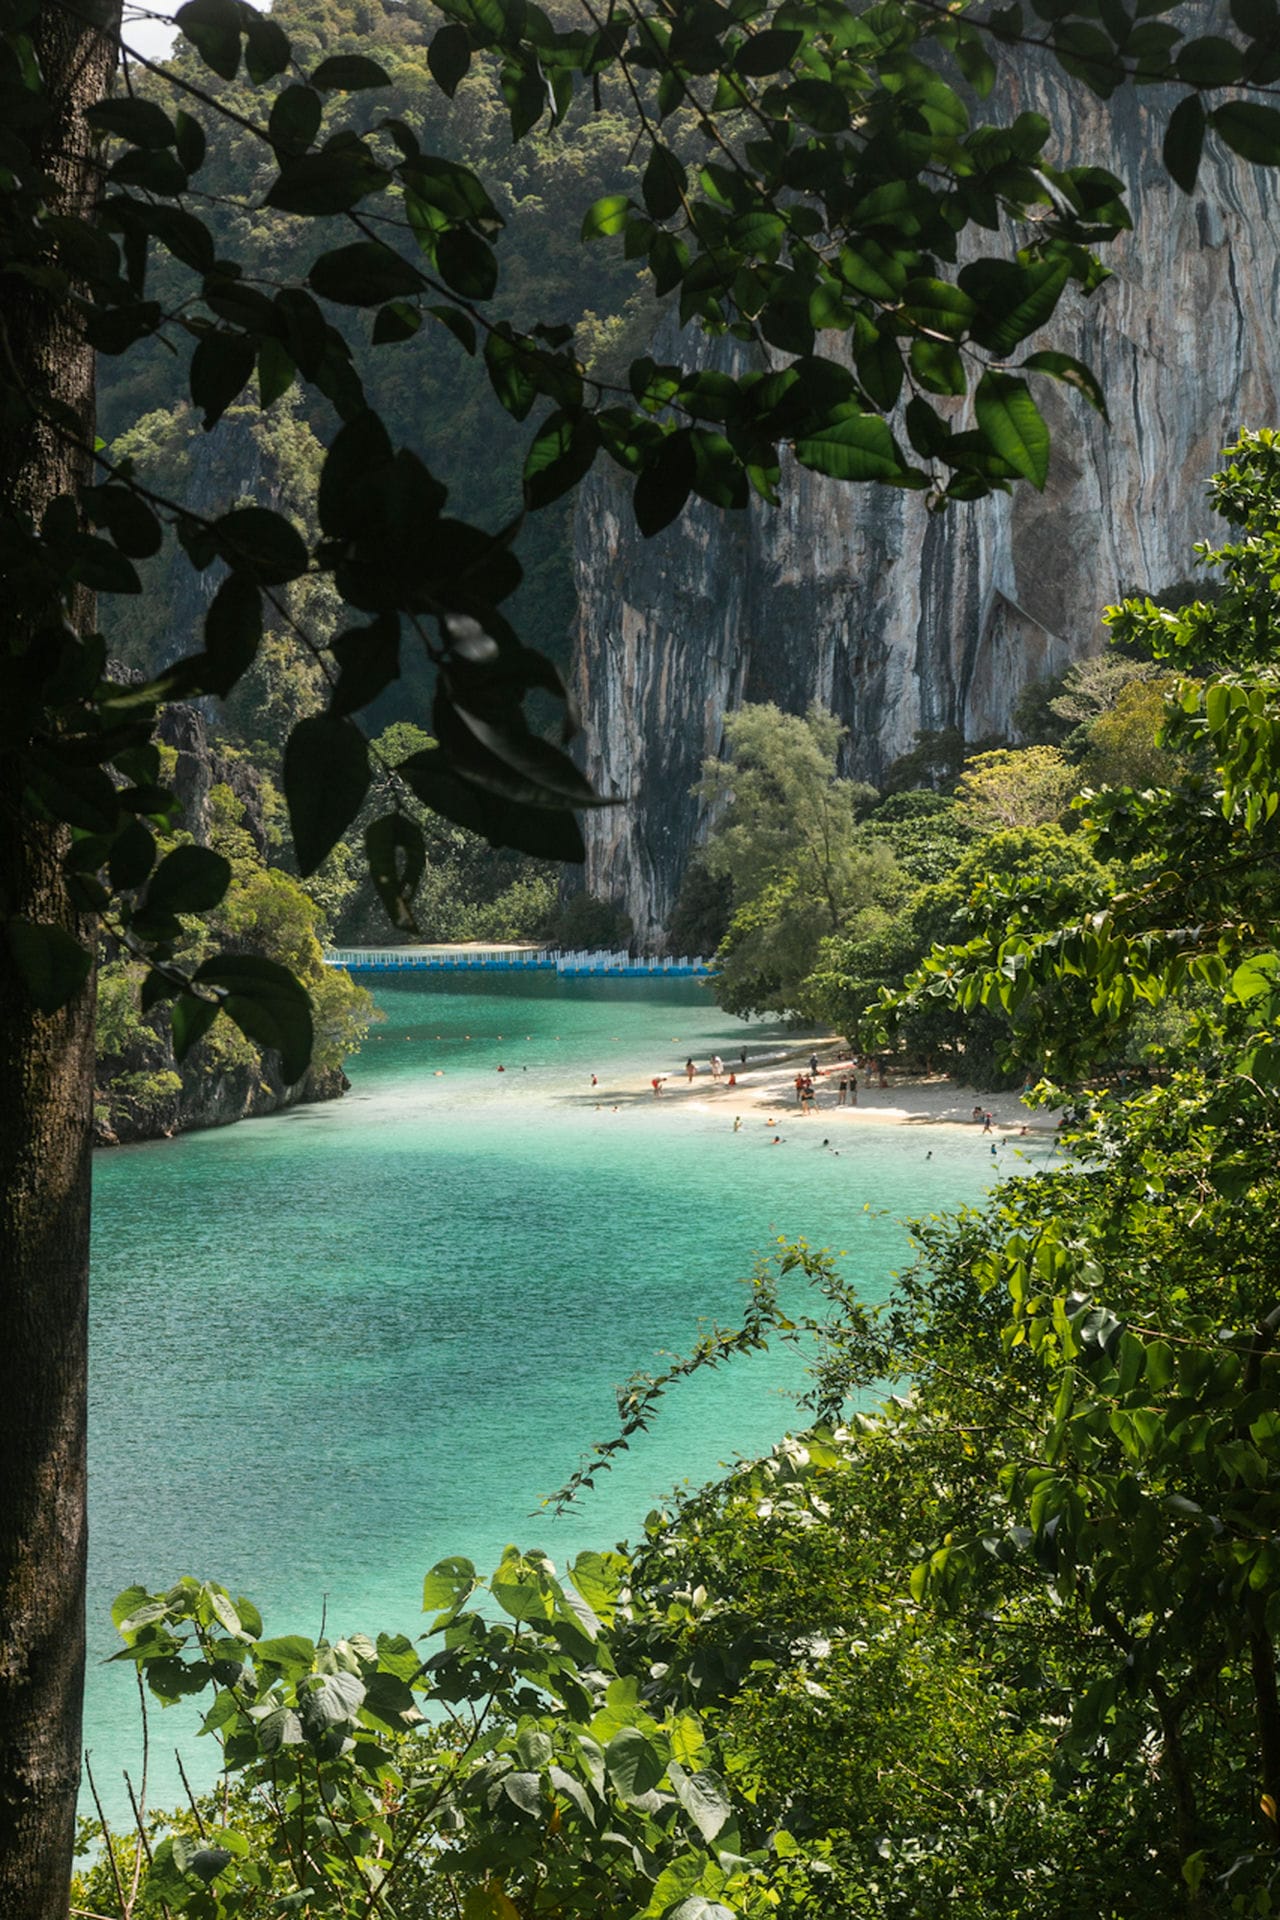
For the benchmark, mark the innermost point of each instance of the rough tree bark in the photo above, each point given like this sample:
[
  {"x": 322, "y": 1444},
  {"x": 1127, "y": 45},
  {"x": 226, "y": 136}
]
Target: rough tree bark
[{"x": 46, "y": 1094}]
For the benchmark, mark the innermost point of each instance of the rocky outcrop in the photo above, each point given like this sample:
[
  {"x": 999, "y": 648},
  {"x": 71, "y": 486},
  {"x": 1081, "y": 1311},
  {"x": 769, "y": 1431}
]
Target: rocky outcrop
[
  {"x": 154, "y": 1105},
  {"x": 901, "y": 621}
]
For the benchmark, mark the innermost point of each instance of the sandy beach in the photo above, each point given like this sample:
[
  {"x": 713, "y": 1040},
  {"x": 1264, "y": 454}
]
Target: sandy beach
[{"x": 766, "y": 1085}]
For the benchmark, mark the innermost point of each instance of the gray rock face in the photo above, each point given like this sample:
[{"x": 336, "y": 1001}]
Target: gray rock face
[{"x": 901, "y": 621}]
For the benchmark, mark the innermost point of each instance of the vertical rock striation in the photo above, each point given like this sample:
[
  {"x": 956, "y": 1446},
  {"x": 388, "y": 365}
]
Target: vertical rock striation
[{"x": 901, "y": 621}]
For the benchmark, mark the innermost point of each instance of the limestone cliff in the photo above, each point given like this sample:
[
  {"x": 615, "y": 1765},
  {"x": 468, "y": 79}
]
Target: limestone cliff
[{"x": 901, "y": 621}]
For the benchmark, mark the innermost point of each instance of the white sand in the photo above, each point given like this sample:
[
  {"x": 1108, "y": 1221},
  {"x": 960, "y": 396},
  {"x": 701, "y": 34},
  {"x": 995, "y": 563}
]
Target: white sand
[{"x": 767, "y": 1085}]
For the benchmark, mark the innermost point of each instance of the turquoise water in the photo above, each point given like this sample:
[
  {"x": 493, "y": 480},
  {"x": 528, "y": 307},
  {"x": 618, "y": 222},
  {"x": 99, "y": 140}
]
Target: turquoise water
[{"x": 332, "y": 1346}]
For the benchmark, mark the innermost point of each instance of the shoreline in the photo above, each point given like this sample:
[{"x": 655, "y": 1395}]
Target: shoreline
[{"x": 766, "y": 1087}]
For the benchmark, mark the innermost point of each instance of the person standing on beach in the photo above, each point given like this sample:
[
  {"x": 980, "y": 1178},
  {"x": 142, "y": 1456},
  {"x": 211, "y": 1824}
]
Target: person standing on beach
[
  {"x": 813, "y": 1063},
  {"x": 853, "y": 1089},
  {"x": 689, "y": 1071},
  {"x": 800, "y": 1090},
  {"x": 842, "y": 1095}
]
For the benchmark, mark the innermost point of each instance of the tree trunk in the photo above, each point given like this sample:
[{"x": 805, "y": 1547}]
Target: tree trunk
[{"x": 46, "y": 1094}]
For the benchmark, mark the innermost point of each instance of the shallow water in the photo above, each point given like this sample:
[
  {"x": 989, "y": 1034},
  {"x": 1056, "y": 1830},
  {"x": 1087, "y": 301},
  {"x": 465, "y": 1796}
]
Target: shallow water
[{"x": 332, "y": 1346}]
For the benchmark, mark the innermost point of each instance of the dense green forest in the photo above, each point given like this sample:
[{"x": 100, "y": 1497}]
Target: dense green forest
[
  {"x": 820, "y": 894},
  {"x": 1000, "y": 1644}
]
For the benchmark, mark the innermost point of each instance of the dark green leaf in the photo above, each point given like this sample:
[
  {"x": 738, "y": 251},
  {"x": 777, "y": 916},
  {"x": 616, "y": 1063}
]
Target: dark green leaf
[
  {"x": 53, "y": 966},
  {"x": 1010, "y": 421},
  {"x": 460, "y": 326},
  {"x": 266, "y": 1003},
  {"x": 133, "y": 854},
  {"x": 397, "y": 857},
  {"x": 276, "y": 370},
  {"x": 232, "y": 634},
  {"x": 1249, "y": 129},
  {"x": 188, "y": 880},
  {"x": 767, "y": 52},
  {"x": 102, "y": 567},
  {"x": 326, "y": 776},
  {"x": 665, "y": 484},
  {"x": 360, "y": 449},
  {"x": 1209, "y": 61},
  {"x": 551, "y": 833},
  {"x": 213, "y": 28},
  {"x": 468, "y": 263},
  {"x": 190, "y": 1018},
  {"x": 141, "y": 122},
  {"x": 449, "y": 56},
  {"x": 364, "y": 274},
  {"x": 327, "y": 182},
  {"x": 562, "y": 451},
  {"x": 1014, "y": 299},
  {"x": 262, "y": 544},
  {"x": 127, "y": 518},
  {"x": 220, "y": 368},
  {"x": 1184, "y": 141},
  {"x": 266, "y": 47},
  {"x": 295, "y": 119},
  {"x": 369, "y": 658},
  {"x": 349, "y": 73},
  {"x": 664, "y": 183},
  {"x": 938, "y": 367},
  {"x": 191, "y": 141},
  {"x": 396, "y": 321}
]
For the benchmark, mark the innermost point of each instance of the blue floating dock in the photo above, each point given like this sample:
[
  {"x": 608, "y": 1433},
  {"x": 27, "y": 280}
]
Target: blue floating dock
[{"x": 581, "y": 964}]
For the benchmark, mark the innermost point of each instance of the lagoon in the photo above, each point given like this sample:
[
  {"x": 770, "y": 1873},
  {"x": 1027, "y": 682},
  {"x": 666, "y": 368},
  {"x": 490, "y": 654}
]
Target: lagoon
[{"x": 332, "y": 1346}]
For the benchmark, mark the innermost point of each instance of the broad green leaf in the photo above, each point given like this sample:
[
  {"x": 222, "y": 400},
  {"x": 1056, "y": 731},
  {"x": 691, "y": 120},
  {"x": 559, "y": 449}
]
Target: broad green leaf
[
  {"x": 1012, "y": 425},
  {"x": 664, "y": 183},
  {"x": 327, "y": 182},
  {"x": 329, "y": 1700},
  {"x": 295, "y": 118},
  {"x": 562, "y": 452},
  {"x": 1249, "y": 129},
  {"x": 364, "y": 274},
  {"x": 189, "y": 880},
  {"x": 448, "y": 1585},
  {"x": 213, "y": 28},
  {"x": 468, "y": 263},
  {"x": 326, "y": 776},
  {"x": 853, "y": 446},
  {"x": 232, "y": 634},
  {"x": 262, "y": 544},
  {"x": 349, "y": 73},
  {"x": 522, "y": 1588},
  {"x": 634, "y": 1763},
  {"x": 449, "y": 57},
  {"x": 1074, "y": 373},
  {"x": 1184, "y": 141},
  {"x": 606, "y": 216},
  {"x": 704, "y": 1798},
  {"x": 290, "y": 1652},
  {"x": 141, "y": 122},
  {"x": 190, "y": 1019},
  {"x": 267, "y": 1003}
]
